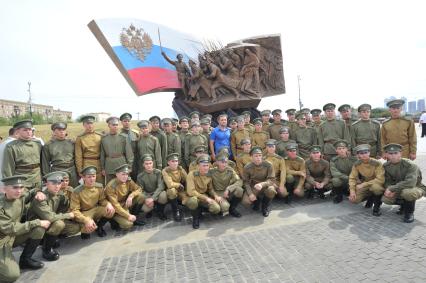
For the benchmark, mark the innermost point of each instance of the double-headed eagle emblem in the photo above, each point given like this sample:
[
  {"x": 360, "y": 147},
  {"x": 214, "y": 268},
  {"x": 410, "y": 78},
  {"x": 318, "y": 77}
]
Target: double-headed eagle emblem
[{"x": 136, "y": 41}]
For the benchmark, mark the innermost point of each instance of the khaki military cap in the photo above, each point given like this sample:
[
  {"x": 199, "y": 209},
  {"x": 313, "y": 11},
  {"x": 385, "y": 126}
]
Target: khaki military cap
[
  {"x": 55, "y": 177},
  {"x": 265, "y": 113},
  {"x": 224, "y": 150},
  {"x": 245, "y": 141},
  {"x": 290, "y": 111},
  {"x": 88, "y": 119},
  {"x": 271, "y": 142},
  {"x": 205, "y": 121},
  {"x": 222, "y": 157},
  {"x": 166, "y": 121},
  {"x": 59, "y": 125},
  {"x": 392, "y": 148},
  {"x": 112, "y": 120},
  {"x": 240, "y": 119},
  {"x": 89, "y": 170},
  {"x": 246, "y": 113},
  {"x": 340, "y": 143},
  {"x": 330, "y": 106},
  {"x": 232, "y": 120},
  {"x": 154, "y": 118},
  {"x": 276, "y": 111},
  {"x": 316, "y": 112},
  {"x": 125, "y": 116},
  {"x": 395, "y": 103},
  {"x": 255, "y": 150},
  {"x": 122, "y": 169},
  {"x": 173, "y": 156},
  {"x": 300, "y": 115},
  {"x": 364, "y": 107},
  {"x": 207, "y": 116},
  {"x": 305, "y": 110},
  {"x": 147, "y": 157},
  {"x": 291, "y": 146},
  {"x": 26, "y": 124},
  {"x": 203, "y": 159},
  {"x": 200, "y": 148},
  {"x": 284, "y": 130},
  {"x": 183, "y": 119},
  {"x": 344, "y": 107},
  {"x": 257, "y": 121},
  {"x": 362, "y": 148},
  {"x": 315, "y": 148},
  {"x": 195, "y": 124},
  {"x": 15, "y": 181},
  {"x": 143, "y": 124},
  {"x": 193, "y": 113}
]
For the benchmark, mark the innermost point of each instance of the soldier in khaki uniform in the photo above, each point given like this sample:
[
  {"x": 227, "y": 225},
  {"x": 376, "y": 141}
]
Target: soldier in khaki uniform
[
  {"x": 51, "y": 209},
  {"x": 244, "y": 157},
  {"x": 239, "y": 134},
  {"x": 316, "y": 119},
  {"x": 346, "y": 114},
  {"x": 206, "y": 129},
  {"x": 304, "y": 136},
  {"x": 266, "y": 116},
  {"x": 307, "y": 113},
  {"x": 184, "y": 130},
  {"x": 159, "y": 134},
  {"x": 366, "y": 180},
  {"x": 247, "y": 124},
  {"x": 147, "y": 144},
  {"x": 90, "y": 206},
  {"x": 198, "y": 150},
  {"x": 232, "y": 164},
  {"x": 403, "y": 182},
  {"x": 13, "y": 232},
  {"x": 275, "y": 127},
  {"x": 330, "y": 131},
  {"x": 194, "y": 116},
  {"x": 340, "y": 168},
  {"x": 58, "y": 153},
  {"x": 192, "y": 141},
  {"x": 317, "y": 174},
  {"x": 233, "y": 125},
  {"x": 66, "y": 189},
  {"x": 116, "y": 150},
  {"x": 88, "y": 148},
  {"x": 284, "y": 140},
  {"x": 173, "y": 140},
  {"x": 22, "y": 156},
  {"x": 278, "y": 163},
  {"x": 126, "y": 198},
  {"x": 174, "y": 177},
  {"x": 296, "y": 172},
  {"x": 151, "y": 181},
  {"x": 132, "y": 136},
  {"x": 291, "y": 120},
  {"x": 258, "y": 178},
  {"x": 366, "y": 131},
  {"x": 399, "y": 130},
  {"x": 199, "y": 187},
  {"x": 259, "y": 137},
  {"x": 227, "y": 186}
]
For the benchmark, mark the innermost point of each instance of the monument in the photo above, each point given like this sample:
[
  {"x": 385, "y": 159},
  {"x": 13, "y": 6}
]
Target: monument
[{"x": 205, "y": 76}]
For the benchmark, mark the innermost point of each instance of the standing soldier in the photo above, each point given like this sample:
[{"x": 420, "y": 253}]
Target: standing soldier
[
  {"x": 89, "y": 205},
  {"x": 330, "y": 131},
  {"x": 237, "y": 136},
  {"x": 13, "y": 232},
  {"x": 192, "y": 141},
  {"x": 199, "y": 187},
  {"x": 198, "y": 150},
  {"x": 88, "y": 148},
  {"x": 147, "y": 144},
  {"x": 278, "y": 163},
  {"x": 317, "y": 174},
  {"x": 22, "y": 156},
  {"x": 291, "y": 116},
  {"x": 247, "y": 124},
  {"x": 174, "y": 125},
  {"x": 126, "y": 198},
  {"x": 184, "y": 130},
  {"x": 304, "y": 136},
  {"x": 58, "y": 153},
  {"x": 399, "y": 130},
  {"x": 259, "y": 137},
  {"x": 132, "y": 136},
  {"x": 151, "y": 180},
  {"x": 206, "y": 130},
  {"x": 307, "y": 113},
  {"x": 244, "y": 157},
  {"x": 296, "y": 172},
  {"x": 227, "y": 186},
  {"x": 233, "y": 125},
  {"x": 275, "y": 127},
  {"x": 116, "y": 150},
  {"x": 159, "y": 134},
  {"x": 283, "y": 141},
  {"x": 346, "y": 114},
  {"x": 366, "y": 180},
  {"x": 258, "y": 178},
  {"x": 316, "y": 119},
  {"x": 340, "y": 168},
  {"x": 366, "y": 131},
  {"x": 266, "y": 115},
  {"x": 173, "y": 141},
  {"x": 194, "y": 116},
  {"x": 403, "y": 182}
]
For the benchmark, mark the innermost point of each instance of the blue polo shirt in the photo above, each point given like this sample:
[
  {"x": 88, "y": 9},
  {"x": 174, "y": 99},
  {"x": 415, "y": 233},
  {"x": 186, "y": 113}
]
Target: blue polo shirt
[{"x": 221, "y": 138}]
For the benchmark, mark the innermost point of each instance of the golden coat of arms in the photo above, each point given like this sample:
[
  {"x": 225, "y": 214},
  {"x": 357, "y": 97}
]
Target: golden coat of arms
[{"x": 136, "y": 41}]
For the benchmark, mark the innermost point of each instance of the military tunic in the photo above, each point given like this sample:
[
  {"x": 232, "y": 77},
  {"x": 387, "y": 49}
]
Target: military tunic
[
  {"x": 280, "y": 147},
  {"x": 329, "y": 132},
  {"x": 265, "y": 127},
  {"x": 174, "y": 145},
  {"x": 280, "y": 171},
  {"x": 293, "y": 167},
  {"x": 262, "y": 174},
  {"x": 274, "y": 130},
  {"x": 226, "y": 180},
  {"x": 367, "y": 132},
  {"x": 191, "y": 142},
  {"x": 175, "y": 181},
  {"x": 153, "y": 187},
  {"x": 149, "y": 145},
  {"x": 161, "y": 136},
  {"x": 305, "y": 137},
  {"x": 340, "y": 168},
  {"x": 182, "y": 135},
  {"x": 249, "y": 127},
  {"x": 199, "y": 188},
  {"x": 242, "y": 160},
  {"x": 259, "y": 139},
  {"x": 317, "y": 172},
  {"x": 236, "y": 137},
  {"x": 370, "y": 175},
  {"x": 401, "y": 131},
  {"x": 88, "y": 151}
]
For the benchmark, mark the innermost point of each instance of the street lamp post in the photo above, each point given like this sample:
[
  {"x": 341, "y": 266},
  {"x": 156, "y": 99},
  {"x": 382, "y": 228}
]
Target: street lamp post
[{"x": 300, "y": 100}]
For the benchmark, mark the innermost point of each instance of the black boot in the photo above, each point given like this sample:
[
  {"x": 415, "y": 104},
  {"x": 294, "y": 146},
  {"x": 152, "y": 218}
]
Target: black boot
[
  {"x": 100, "y": 230},
  {"x": 321, "y": 194},
  {"x": 338, "y": 195},
  {"x": 177, "y": 214},
  {"x": 160, "y": 211},
  {"x": 377, "y": 201},
  {"x": 369, "y": 202},
  {"x": 135, "y": 211},
  {"x": 114, "y": 225},
  {"x": 233, "y": 207},
  {"x": 310, "y": 194},
  {"x": 256, "y": 205},
  {"x": 265, "y": 206},
  {"x": 196, "y": 218},
  {"x": 25, "y": 261},
  {"x": 48, "y": 252},
  {"x": 409, "y": 211}
]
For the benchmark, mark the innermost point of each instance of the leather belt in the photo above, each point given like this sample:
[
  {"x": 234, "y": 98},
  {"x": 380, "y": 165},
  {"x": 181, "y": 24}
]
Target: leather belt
[
  {"x": 91, "y": 158},
  {"x": 28, "y": 167}
]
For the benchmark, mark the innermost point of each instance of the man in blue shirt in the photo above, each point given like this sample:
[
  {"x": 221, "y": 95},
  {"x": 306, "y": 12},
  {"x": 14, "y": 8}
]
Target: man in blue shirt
[{"x": 220, "y": 136}]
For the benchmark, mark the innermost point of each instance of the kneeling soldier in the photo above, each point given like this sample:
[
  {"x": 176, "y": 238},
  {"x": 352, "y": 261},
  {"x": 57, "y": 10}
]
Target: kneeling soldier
[
  {"x": 89, "y": 204},
  {"x": 366, "y": 180},
  {"x": 296, "y": 172},
  {"x": 151, "y": 181},
  {"x": 199, "y": 187},
  {"x": 14, "y": 233},
  {"x": 317, "y": 174},
  {"x": 244, "y": 157},
  {"x": 198, "y": 151},
  {"x": 51, "y": 209},
  {"x": 126, "y": 198},
  {"x": 403, "y": 182},
  {"x": 227, "y": 185},
  {"x": 174, "y": 177},
  {"x": 258, "y": 177}
]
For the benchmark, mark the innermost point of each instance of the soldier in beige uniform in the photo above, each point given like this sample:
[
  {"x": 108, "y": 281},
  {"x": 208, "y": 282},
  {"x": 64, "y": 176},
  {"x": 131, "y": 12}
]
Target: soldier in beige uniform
[
  {"x": 296, "y": 172},
  {"x": 399, "y": 130},
  {"x": 198, "y": 150},
  {"x": 184, "y": 130},
  {"x": 346, "y": 115},
  {"x": 278, "y": 163},
  {"x": 88, "y": 148},
  {"x": 266, "y": 116},
  {"x": 132, "y": 136},
  {"x": 159, "y": 134},
  {"x": 275, "y": 127},
  {"x": 239, "y": 134},
  {"x": 366, "y": 180},
  {"x": 317, "y": 174},
  {"x": 284, "y": 140},
  {"x": 147, "y": 144},
  {"x": 244, "y": 157},
  {"x": 173, "y": 140},
  {"x": 247, "y": 118},
  {"x": 192, "y": 141},
  {"x": 304, "y": 136},
  {"x": 259, "y": 137},
  {"x": 206, "y": 130},
  {"x": 316, "y": 119},
  {"x": 367, "y": 131},
  {"x": 291, "y": 122}
]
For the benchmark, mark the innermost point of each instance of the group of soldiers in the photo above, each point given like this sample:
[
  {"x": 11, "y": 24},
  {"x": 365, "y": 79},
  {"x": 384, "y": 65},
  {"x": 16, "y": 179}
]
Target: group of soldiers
[{"x": 123, "y": 176}]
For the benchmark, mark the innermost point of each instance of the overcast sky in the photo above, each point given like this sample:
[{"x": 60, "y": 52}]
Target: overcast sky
[{"x": 345, "y": 51}]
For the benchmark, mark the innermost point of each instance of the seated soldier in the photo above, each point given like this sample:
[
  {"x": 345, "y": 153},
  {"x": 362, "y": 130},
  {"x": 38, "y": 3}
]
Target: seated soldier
[
  {"x": 227, "y": 185},
  {"x": 151, "y": 180},
  {"x": 403, "y": 182},
  {"x": 317, "y": 174},
  {"x": 366, "y": 180},
  {"x": 259, "y": 137},
  {"x": 14, "y": 233},
  {"x": 66, "y": 189},
  {"x": 281, "y": 147},
  {"x": 296, "y": 172},
  {"x": 51, "y": 209},
  {"x": 258, "y": 178},
  {"x": 89, "y": 204},
  {"x": 126, "y": 198},
  {"x": 244, "y": 157},
  {"x": 278, "y": 163},
  {"x": 199, "y": 187},
  {"x": 340, "y": 168},
  {"x": 232, "y": 164},
  {"x": 174, "y": 177},
  {"x": 199, "y": 150}
]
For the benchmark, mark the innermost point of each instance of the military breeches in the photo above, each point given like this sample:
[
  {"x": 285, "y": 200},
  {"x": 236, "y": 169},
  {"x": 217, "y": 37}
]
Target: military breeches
[
  {"x": 268, "y": 192},
  {"x": 339, "y": 182},
  {"x": 296, "y": 183},
  {"x": 326, "y": 187},
  {"x": 234, "y": 192},
  {"x": 58, "y": 227},
  {"x": 365, "y": 192},
  {"x": 177, "y": 193},
  {"x": 95, "y": 213},
  {"x": 412, "y": 194},
  {"x": 162, "y": 199},
  {"x": 122, "y": 221},
  {"x": 195, "y": 202},
  {"x": 281, "y": 194}
]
